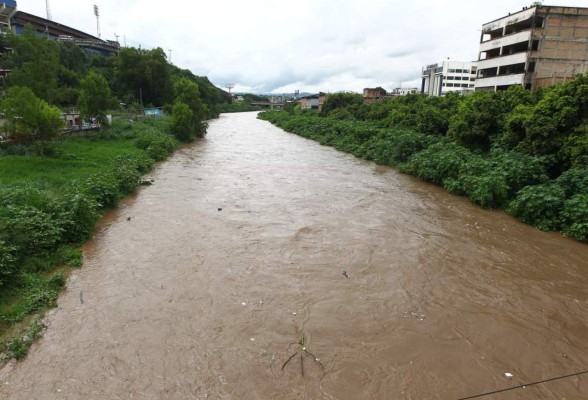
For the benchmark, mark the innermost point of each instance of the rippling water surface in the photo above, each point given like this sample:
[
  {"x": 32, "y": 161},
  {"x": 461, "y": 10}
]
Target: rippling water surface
[{"x": 188, "y": 302}]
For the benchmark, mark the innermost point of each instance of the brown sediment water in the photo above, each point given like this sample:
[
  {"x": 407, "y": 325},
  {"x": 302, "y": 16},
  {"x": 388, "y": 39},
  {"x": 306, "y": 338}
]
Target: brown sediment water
[{"x": 240, "y": 246}]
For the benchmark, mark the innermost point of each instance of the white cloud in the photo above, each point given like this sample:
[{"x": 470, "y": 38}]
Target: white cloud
[{"x": 310, "y": 45}]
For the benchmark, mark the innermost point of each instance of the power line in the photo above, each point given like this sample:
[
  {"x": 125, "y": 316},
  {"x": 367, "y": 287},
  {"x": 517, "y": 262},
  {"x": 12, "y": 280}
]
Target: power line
[{"x": 523, "y": 386}]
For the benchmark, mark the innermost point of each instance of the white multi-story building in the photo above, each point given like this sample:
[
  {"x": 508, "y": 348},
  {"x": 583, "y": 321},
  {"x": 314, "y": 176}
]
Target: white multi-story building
[
  {"x": 448, "y": 76},
  {"x": 535, "y": 47}
]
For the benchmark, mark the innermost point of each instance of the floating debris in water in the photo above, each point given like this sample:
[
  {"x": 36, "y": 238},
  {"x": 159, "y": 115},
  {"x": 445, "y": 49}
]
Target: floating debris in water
[
  {"x": 345, "y": 274},
  {"x": 420, "y": 317},
  {"x": 508, "y": 375}
]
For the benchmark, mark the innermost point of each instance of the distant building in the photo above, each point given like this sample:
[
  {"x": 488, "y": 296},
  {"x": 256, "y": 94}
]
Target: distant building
[
  {"x": 448, "y": 76},
  {"x": 403, "y": 91},
  {"x": 323, "y": 97},
  {"x": 12, "y": 20},
  {"x": 57, "y": 31},
  {"x": 7, "y": 10},
  {"x": 73, "y": 120},
  {"x": 535, "y": 47},
  {"x": 310, "y": 102},
  {"x": 372, "y": 95}
]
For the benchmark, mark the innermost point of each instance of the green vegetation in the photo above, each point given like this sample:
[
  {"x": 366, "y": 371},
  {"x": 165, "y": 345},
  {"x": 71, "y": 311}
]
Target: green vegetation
[
  {"x": 54, "y": 187},
  {"x": 49, "y": 205},
  {"x": 29, "y": 118},
  {"x": 65, "y": 76},
  {"x": 240, "y": 106},
  {"x": 526, "y": 152},
  {"x": 243, "y": 105}
]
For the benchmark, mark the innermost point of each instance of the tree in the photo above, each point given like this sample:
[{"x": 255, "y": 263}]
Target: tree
[
  {"x": 341, "y": 100},
  {"x": 94, "y": 96},
  {"x": 29, "y": 118},
  {"x": 186, "y": 92},
  {"x": 143, "y": 74},
  {"x": 182, "y": 122},
  {"x": 35, "y": 64},
  {"x": 560, "y": 112}
]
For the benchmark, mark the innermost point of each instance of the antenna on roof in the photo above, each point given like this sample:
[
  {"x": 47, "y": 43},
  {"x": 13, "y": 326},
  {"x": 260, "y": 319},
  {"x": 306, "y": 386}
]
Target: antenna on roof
[{"x": 48, "y": 10}]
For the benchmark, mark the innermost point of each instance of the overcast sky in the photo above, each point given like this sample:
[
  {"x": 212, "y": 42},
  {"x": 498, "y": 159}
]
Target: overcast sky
[{"x": 279, "y": 46}]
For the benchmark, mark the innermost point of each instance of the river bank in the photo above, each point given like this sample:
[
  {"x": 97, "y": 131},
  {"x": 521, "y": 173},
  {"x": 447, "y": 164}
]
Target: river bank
[
  {"x": 49, "y": 206},
  {"x": 185, "y": 301},
  {"x": 508, "y": 180}
]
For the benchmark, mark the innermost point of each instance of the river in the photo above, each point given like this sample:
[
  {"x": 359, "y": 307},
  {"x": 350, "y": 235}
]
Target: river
[{"x": 253, "y": 238}]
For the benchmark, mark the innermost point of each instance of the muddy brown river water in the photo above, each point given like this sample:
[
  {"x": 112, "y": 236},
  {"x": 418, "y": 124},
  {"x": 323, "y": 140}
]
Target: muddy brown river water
[{"x": 186, "y": 301}]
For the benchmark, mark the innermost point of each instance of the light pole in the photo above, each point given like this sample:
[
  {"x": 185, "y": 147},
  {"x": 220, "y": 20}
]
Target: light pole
[{"x": 97, "y": 14}]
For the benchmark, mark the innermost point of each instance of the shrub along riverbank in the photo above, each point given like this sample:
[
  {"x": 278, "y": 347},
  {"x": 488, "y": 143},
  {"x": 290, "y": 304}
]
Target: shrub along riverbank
[
  {"x": 49, "y": 205},
  {"x": 524, "y": 152}
]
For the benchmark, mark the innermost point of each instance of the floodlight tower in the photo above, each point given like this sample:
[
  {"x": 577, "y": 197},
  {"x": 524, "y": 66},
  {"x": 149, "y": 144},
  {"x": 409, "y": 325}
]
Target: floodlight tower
[
  {"x": 48, "y": 10},
  {"x": 230, "y": 86},
  {"x": 97, "y": 14}
]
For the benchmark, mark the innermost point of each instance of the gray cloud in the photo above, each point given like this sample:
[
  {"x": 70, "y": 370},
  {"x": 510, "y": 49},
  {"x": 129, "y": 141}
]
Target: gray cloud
[{"x": 310, "y": 45}]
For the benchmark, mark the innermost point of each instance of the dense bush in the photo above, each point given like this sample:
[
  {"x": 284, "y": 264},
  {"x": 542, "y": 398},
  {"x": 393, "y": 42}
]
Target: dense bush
[
  {"x": 574, "y": 181},
  {"x": 8, "y": 260},
  {"x": 157, "y": 145},
  {"x": 438, "y": 162},
  {"x": 575, "y": 216},
  {"x": 30, "y": 230},
  {"x": 77, "y": 216},
  {"x": 540, "y": 205},
  {"x": 103, "y": 188}
]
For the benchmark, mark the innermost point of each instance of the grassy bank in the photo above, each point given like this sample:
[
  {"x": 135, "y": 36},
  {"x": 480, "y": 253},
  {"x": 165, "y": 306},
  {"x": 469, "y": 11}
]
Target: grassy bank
[
  {"x": 499, "y": 178},
  {"x": 49, "y": 206}
]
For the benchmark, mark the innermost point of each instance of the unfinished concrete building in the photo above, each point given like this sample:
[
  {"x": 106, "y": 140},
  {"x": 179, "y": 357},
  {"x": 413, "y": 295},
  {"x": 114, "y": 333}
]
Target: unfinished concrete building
[{"x": 535, "y": 47}]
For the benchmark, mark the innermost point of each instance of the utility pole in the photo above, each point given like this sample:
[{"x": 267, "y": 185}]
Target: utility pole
[{"x": 97, "y": 14}]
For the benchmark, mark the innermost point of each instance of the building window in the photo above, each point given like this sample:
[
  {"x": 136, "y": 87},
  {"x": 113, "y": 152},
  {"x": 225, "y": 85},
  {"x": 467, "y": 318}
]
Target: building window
[
  {"x": 464, "y": 85},
  {"x": 450, "y": 85},
  {"x": 451, "y": 71}
]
